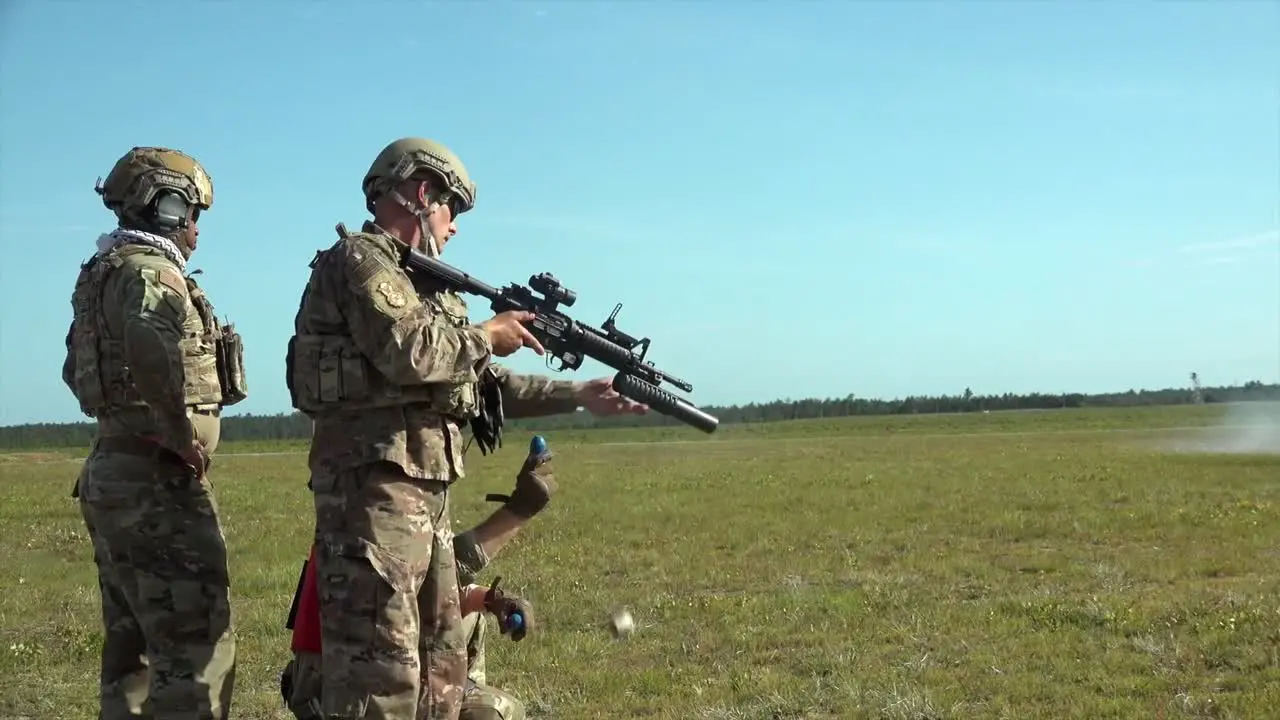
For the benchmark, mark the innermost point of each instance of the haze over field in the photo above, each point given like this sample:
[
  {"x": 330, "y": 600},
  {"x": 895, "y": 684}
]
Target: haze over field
[{"x": 1245, "y": 428}]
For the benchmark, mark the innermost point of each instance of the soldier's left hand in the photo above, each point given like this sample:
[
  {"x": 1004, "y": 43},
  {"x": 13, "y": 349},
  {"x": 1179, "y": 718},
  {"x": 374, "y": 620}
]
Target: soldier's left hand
[
  {"x": 535, "y": 484},
  {"x": 599, "y": 398}
]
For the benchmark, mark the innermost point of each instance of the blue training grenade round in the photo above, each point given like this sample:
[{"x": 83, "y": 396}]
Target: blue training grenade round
[{"x": 515, "y": 621}]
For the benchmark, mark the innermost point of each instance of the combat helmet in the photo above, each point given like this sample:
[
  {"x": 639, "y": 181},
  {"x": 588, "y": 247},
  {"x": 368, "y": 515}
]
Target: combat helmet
[
  {"x": 407, "y": 157},
  {"x": 145, "y": 172}
]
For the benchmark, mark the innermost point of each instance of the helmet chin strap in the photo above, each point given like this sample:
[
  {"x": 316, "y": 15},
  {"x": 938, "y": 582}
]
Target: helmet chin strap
[
  {"x": 429, "y": 242},
  {"x": 179, "y": 238},
  {"x": 433, "y": 250}
]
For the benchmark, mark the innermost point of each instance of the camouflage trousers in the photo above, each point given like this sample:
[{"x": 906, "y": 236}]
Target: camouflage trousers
[
  {"x": 169, "y": 647},
  {"x": 482, "y": 702},
  {"x": 390, "y": 617}
]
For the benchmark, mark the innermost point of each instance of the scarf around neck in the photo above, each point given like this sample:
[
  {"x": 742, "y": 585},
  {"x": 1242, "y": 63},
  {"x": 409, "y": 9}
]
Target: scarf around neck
[{"x": 120, "y": 236}]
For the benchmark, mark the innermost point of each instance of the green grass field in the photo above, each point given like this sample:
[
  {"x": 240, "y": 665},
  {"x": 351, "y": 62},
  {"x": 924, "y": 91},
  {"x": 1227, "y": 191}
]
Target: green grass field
[{"x": 1013, "y": 565}]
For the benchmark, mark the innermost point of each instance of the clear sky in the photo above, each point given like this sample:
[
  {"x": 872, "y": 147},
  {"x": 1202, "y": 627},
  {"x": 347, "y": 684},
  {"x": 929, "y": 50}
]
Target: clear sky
[{"x": 792, "y": 199}]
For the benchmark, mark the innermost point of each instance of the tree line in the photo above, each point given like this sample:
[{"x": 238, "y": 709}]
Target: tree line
[{"x": 294, "y": 426}]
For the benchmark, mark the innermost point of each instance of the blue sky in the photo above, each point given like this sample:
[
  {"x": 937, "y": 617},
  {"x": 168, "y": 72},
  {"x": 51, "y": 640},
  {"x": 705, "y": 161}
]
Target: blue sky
[{"x": 791, "y": 199}]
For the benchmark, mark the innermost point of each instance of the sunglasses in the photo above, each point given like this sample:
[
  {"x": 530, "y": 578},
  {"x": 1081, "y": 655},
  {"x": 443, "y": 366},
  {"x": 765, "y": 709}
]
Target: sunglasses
[{"x": 455, "y": 203}]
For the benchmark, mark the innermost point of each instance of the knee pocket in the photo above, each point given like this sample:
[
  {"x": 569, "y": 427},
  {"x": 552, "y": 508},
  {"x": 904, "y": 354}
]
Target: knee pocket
[
  {"x": 367, "y": 597},
  {"x": 182, "y": 612}
]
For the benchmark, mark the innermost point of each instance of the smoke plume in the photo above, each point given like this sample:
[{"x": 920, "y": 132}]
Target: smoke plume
[{"x": 1245, "y": 428}]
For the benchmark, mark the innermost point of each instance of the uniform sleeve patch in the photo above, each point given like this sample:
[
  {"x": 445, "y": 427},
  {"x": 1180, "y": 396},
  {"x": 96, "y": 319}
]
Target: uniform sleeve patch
[
  {"x": 172, "y": 280},
  {"x": 393, "y": 295}
]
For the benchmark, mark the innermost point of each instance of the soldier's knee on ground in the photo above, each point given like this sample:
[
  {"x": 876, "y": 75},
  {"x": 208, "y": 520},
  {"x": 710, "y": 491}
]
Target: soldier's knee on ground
[
  {"x": 489, "y": 703},
  {"x": 286, "y": 682},
  {"x": 300, "y": 686}
]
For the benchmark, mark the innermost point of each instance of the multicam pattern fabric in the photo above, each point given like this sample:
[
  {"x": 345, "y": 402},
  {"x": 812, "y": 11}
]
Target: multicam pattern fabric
[
  {"x": 163, "y": 577},
  {"x": 146, "y": 358},
  {"x": 391, "y": 623},
  {"x": 388, "y": 367}
]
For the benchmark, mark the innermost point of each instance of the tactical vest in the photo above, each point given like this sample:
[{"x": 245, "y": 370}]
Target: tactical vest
[
  {"x": 212, "y": 355},
  {"x": 328, "y": 373}
]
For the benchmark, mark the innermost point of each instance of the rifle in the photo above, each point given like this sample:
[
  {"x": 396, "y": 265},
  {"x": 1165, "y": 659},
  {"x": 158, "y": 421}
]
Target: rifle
[{"x": 570, "y": 341}]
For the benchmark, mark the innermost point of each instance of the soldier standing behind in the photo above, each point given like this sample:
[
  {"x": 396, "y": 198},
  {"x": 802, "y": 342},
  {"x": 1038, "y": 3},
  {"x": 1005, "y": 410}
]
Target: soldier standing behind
[
  {"x": 148, "y": 360},
  {"x": 389, "y": 370}
]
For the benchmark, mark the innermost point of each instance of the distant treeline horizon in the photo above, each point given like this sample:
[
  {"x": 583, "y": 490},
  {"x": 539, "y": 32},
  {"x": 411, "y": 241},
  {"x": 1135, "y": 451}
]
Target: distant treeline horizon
[{"x": 296, "y": 426}]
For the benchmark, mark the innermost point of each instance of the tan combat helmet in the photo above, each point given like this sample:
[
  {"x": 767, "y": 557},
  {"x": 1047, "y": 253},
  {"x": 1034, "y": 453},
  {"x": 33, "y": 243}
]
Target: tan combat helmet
[
  {"x": 405, "y": 158},
  {"x": 144, "y": 172}
]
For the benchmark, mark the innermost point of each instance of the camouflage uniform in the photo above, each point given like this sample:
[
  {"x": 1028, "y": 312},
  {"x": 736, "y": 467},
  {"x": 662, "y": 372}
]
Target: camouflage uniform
[
  {"x": 302, "y": 686},
  {"x": 147, "y": 359},
  {"x": 484, "y": 701},
  {"x": 480, "y": 702},
  {"x": 389, "y": 371}
]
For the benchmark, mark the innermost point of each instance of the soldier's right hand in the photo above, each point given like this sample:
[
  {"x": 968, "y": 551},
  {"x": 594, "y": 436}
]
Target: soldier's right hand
[
  {"x": 507, "y": 333},
  {"x": 514, "y": 614},
  {"x": 196, "y": 458}
]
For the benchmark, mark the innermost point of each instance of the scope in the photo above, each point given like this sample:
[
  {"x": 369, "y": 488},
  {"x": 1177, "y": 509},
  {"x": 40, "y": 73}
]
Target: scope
[{"x": 552, "y": 290}]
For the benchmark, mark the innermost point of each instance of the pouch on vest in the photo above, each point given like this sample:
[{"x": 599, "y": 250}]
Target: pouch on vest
[
  {"x": 231, "y": 375},
  {"x": 88, "y": 382},
  {"x": 327, "y": 371}
]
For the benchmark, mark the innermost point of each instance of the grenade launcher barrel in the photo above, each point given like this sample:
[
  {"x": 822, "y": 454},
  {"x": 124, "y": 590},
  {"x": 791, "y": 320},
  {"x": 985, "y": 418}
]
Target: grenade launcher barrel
[{"x": 569, "y": 341}]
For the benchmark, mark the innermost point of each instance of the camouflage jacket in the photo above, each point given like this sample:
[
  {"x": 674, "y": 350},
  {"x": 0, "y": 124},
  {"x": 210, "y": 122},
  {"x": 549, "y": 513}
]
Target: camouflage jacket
[
  {"x": 145, "y": 354},
  {"x": 388, "y": 369}
]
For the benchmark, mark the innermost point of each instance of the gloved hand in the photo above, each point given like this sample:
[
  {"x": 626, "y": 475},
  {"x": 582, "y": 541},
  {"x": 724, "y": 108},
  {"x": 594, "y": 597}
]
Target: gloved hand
[
  {"x": 535, "y": 483},
  {"x": 515, "y": 615}
]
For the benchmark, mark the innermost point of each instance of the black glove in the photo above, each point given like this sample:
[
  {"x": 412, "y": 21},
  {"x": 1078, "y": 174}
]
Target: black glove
[
  {"x": 515, "y": 615},
  {"x": 486, "y": 426},
  {"x": 535, "y": 483}
]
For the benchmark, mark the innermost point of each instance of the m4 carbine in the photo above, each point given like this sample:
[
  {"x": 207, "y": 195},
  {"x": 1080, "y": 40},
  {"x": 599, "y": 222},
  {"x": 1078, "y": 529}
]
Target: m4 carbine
[{"x": 569, "y": 341}]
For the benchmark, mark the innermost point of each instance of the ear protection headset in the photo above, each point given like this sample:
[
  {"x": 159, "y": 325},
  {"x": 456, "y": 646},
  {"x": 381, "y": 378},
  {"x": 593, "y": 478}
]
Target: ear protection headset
[{"x": 169, "y": 211}]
